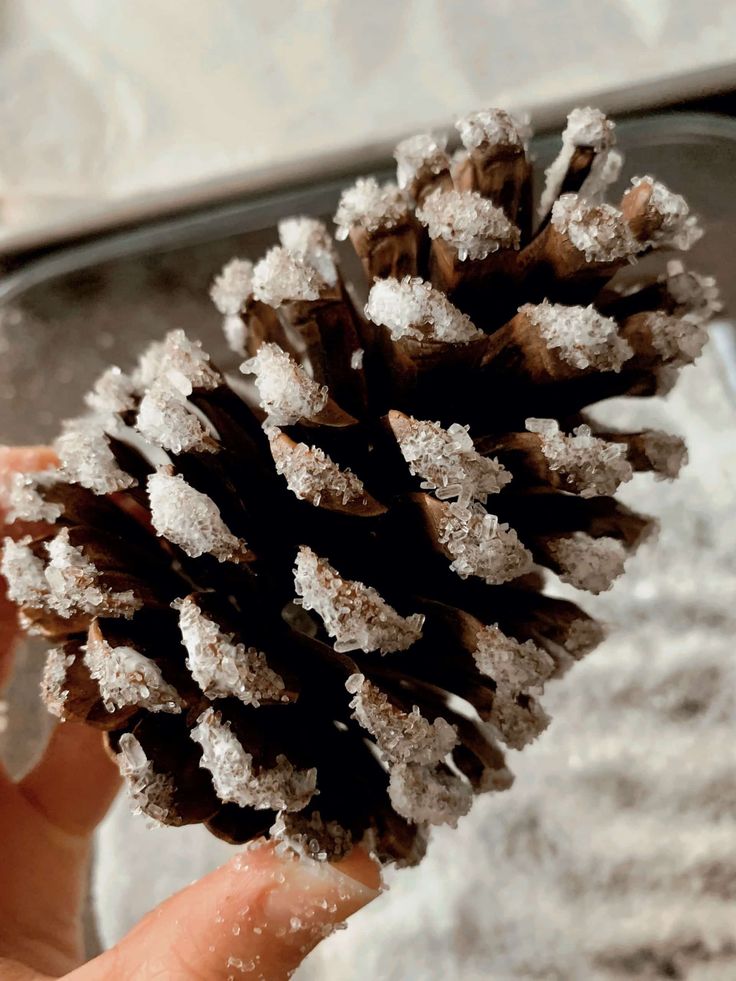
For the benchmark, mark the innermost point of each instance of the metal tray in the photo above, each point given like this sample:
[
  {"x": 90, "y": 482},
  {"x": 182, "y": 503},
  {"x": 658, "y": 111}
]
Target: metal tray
[{"x": 66, "y": 316}]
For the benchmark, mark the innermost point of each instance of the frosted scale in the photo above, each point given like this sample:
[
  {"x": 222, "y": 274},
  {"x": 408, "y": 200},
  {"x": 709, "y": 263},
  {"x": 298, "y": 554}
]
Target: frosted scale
[
  {"x": 468, "y": 222},
  {"x": 594, "y": 466},
  {"x": 581, "y": 336},
  {"x": 413, "y": 308},
  {"x": 286, "y": 391}
]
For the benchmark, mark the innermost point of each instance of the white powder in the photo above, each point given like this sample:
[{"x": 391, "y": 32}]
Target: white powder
[
  {"x": 26, "y": 501},
  {"x": 371, "y": 206},
  {"x": 468, "y": 222},
  {"x": 427, "y": 794},
  {"x": 597, "y": 230},
  {"x": 590, "y": 465},
  {"x": 401, "y": 736},
  {"x": 24, "y": 574},
  {"x": 588, "y": 563},
  {"x": 493, "y": 127},
  {"x": 309, "y": 239},
  {"x": 232, "y": 288},
  {"x": 586, "y": 127},
  {"x": 282, "y": 277},
  {"x": 191, "y": 519},
  {"x": 582, "y": 337},
  {"x": 353, "y": 613},
  {"x": 480, "y": 546},
  {"x": 678, "y": 229},
  {"x": 165, "y": 418},
  {"x": 286, "y": 391},
  {"x": 113, "y": 392},
  {"x": 221, "y": 666},
  {"x": 310, "y": 473},
  {"x": 237, "y": 779},
  {"x": 127, "y": 677},
  {"x": 447, "y": 461},
  {"x": 412, "y": 308},
  {"x": 425, "y": 153}
]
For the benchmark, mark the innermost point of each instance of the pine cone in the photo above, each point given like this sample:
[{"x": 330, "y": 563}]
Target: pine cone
[{"x": 311, "y": 604}]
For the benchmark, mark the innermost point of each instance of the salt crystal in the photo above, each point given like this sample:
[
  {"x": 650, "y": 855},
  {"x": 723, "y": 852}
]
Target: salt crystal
[
  {"x": 425, "y": 153},
  {"x": 678, "y": 340},
  {"x": 75, "y": 584},
  {"x": 514, "y": 666},
  {"x": 356, "y": 359},
  {"x": 586, "y": 127},
  {"x": 309, "y": 836},
  {"x": 191, "y": 519},
  {"x": 592, "y": 466},
  {"x": 371, "y": 206},
  {"x": 286, "y": 391},
  {"x": 310, "y": 473},
  {"x": 238, "y": 780},
  {"x": 493, "y": 127},
  {"x": 678, "y": 228},
  {"x": 165, "y": 418},
  {"x": 151, "y": 793},
  {"x": 353, "y": 613},
  {"x": 697, "y": 295},
  {"x": 588, "y": 563},
  {"x": 54, "y": 690},
  {"x": 428, "y": 794},
  {"x": 26, "y": 501},
  {"x": 24, "y": 574},
  {"x": 127, "y": 677},
  {"x": 413, "y": 308},
  {"x": 309, "y": 239},
  {"x": 666, "y": 453},
  {"x": 181, "y": 361},
  {"x": 233, "y": 286},
  {"x": 583, "y": 636},
  {"x": 448, "y": 463},
  {"x": 468, "y": 222},
  {"x": 582, "y": 337},
  {"x": 221, "y": 666},
  {"x": 401, "y": 736},
  {"x": 86, "y": 457},
  {"x": 282, "y": 276},
  {"x": 480, "y": 546},
  {"x": 113, "y": 392},
  {"x": 599, "y": 231}
]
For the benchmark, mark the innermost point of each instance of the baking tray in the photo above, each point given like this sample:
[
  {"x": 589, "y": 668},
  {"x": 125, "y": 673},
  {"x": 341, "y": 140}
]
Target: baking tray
[{"x": 67, "y": 315}]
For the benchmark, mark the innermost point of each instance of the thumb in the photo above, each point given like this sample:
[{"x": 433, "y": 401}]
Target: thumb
[{"x": 258, "y": 916}]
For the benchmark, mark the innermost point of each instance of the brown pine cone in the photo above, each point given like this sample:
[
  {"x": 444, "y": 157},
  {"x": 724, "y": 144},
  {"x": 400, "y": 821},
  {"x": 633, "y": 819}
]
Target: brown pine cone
[{"x": 311, "y": 604}]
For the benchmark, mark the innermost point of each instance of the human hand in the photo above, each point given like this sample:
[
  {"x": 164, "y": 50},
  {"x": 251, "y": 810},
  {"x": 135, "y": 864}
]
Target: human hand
[{"x": 257, "y": 916}]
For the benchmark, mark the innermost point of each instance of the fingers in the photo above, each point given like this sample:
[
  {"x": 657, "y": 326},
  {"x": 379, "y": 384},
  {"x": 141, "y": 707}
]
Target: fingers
[{"x": 258, "y": 916}]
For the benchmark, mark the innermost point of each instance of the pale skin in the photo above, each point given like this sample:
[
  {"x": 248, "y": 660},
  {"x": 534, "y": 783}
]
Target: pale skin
[{"x": 255, "y": 917}]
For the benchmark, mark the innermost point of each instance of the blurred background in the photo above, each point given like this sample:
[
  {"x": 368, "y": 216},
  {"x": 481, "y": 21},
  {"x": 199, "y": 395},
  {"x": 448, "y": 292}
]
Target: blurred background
[{"x": 614, "y": 854}]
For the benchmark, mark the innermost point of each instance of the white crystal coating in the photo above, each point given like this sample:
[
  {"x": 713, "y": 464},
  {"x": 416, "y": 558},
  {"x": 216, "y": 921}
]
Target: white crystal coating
[
  {"x": 515, "y": 723},
  {"x": 114, "y": 391},
  {"x": 401, "y": 736},
  {"x": 428, "y": 794},
  {"x": 310, "y": 473},
  {"x": 54, "y": 691},
  {"x": 599, "y": 231},
  {"x": 353, "y": 613},
  {"x": 150, "y": 793},
  {"x": 678, "y": 340},
  {"x": 666, "y": 453},
  {"x": 413, "y": 308},
  {"x": 310, "y": 837},
  {"x": 591, "y": 466},
  {"x": 468, "y": 222},
  {"x": 309, "y": 239},
  {"x": 583, "y": 636},
  {"x": 586, "y": 127},
  {"x": 448, "y": 463},
  {"x": 232, "y": 287},
  {"x": 514, "y": 666},
  {"x": 480, "y": 546},
  {"x": 127, "y": 677},
  {"x": 236, "y": 333},
  {"x": 183, "y": 363},
  {"x": 24, "y": 574},
  {"x": 356, "y": 359},
  {"x": 84, "y": 451},
  {"x": 698, "y": 295},
  {"x": 166, "y": 419},
  {"x": 25, "y": 499},
  {"x": 286, "y": 391},
  {"x": 420, "y": 154},
  {"x": 221, "y": 666},
  {"x": 581, "y": 336},
  {"x": 191, "y": 519},
  {"x": 75, "y": 584},
  {"x": 284, "y": 277},
  {"x": 493, "y": 127},
  {"x": 371, "y": 206},
  {"x": 588, "y": 563},
  {"x": 237, "y": 779},
  {"x": 678, "y": 229}
]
